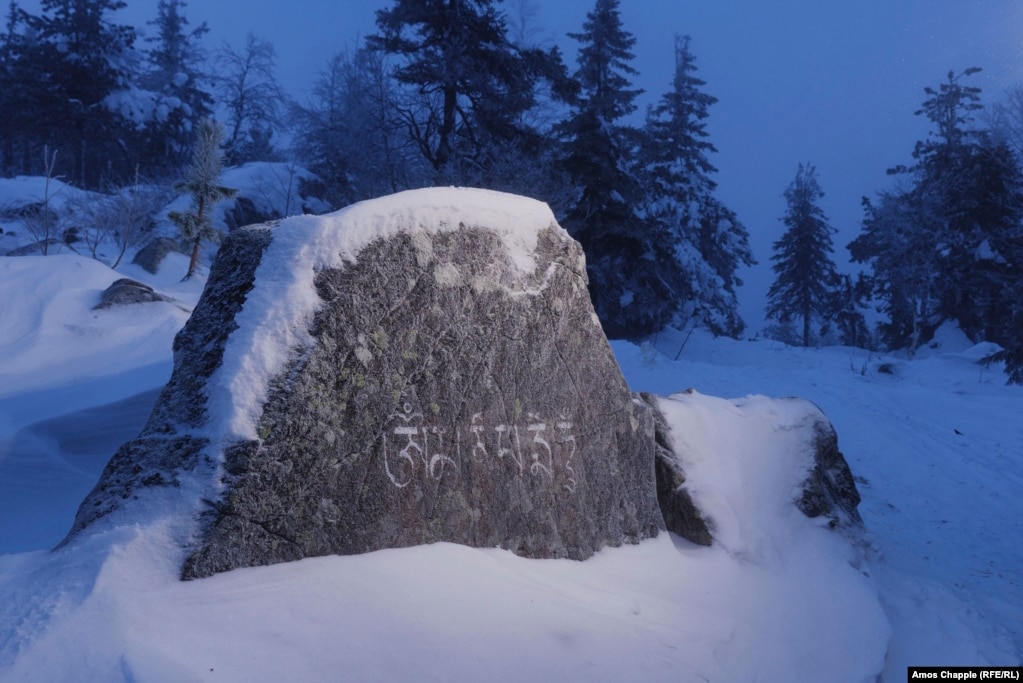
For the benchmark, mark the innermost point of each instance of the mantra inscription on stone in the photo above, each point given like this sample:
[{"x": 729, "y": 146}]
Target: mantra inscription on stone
[{"x": 534, "y": 447}]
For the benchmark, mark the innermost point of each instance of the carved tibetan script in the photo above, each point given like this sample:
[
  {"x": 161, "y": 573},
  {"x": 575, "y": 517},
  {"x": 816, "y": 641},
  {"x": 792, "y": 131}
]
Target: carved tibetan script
[{"x": 534, "y": 447}]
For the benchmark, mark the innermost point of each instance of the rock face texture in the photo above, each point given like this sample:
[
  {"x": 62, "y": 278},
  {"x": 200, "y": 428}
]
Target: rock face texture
[
  {"x": 681, "y": 516},
  {"x": 830, "y": 489},
  {"x": 449, "y": 383},
  {"x": 174, "y": 445}
]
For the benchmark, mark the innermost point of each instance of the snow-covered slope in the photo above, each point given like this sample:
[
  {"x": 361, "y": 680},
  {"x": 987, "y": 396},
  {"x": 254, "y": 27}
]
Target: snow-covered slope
[
  {"x": 74, "y": 383},
  {"x": 936, "y": 445}
]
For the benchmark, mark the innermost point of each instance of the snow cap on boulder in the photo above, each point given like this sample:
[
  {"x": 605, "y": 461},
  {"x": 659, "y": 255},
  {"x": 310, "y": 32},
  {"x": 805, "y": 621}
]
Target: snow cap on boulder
[{"x": 422, "y": 367}]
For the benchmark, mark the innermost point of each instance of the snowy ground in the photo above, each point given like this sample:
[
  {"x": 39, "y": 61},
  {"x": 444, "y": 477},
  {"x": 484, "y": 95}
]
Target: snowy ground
[
  {"x": 936, "y": 442},
  {"x": 937, "y": 446}
]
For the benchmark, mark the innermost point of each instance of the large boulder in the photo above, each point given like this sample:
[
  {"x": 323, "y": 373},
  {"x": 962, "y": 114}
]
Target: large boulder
[{"x": 423, "y": 367}]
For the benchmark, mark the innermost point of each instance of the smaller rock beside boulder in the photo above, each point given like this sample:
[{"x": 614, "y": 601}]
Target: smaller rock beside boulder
[
  {"x": 708, "y": 476},
  {"x": 127, "y": 291},
  {"x": 244, "y": 212},
  {"x": 830, "y": 488},
  {"x": 151, "y": 255}
]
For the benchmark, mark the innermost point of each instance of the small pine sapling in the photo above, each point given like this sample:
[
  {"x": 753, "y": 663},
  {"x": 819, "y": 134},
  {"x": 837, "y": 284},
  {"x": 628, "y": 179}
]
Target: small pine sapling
[{"x": 201, "y": 181}]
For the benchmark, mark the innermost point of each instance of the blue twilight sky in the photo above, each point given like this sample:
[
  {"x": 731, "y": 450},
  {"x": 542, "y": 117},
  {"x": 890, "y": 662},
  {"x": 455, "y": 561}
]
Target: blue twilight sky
[{"x": 834, "y": 84}]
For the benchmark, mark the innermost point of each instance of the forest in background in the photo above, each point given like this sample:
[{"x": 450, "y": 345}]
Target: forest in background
[{"x": 450, "y": 92}]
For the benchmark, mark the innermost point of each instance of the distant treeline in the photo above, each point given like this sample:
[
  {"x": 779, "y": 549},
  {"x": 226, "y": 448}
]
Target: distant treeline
[{"x": 451, "y": 92}]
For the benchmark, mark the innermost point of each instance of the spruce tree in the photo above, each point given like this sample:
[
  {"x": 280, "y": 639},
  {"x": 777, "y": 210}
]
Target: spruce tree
[
  {"x": 202, "y": 182},
  {"x": 1012, "y": 352},
  {"x": 176, "y": 76},
  {"x": 968, "y": 186},
  {"x": 805, "y": 272},
  {"x": 630, "y": 258},
  {"x": 946, "y": 245},
  {"x": 710, "y": 243},
  {"x": 996, "y": 280},
  {"x": 897, "y": 242},
  {"x": 70, "y": 65},
  {"x": 22, "y": 93},
  {"x": 848, "y": 301},
  {"x": 945, "y": 187},
  {"x": 468, "y": 85}
]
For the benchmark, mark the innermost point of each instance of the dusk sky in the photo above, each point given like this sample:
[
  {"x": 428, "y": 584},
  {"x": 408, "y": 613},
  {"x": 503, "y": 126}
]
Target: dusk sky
[{"x": 834, "y": 84}]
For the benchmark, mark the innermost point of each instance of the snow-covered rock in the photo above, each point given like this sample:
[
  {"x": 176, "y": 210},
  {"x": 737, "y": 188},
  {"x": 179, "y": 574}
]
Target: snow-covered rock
[
  {"x": 126, "y": 291},
  {"x": 419, "y": 368},
  {"x": 786, "y": 446},
  {"x": 151, "y": 256}
]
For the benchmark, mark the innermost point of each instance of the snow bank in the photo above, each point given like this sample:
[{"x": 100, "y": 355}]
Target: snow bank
[
  {"x": 653, "y": 612},
  {"x": 745, "y": 462},
  {"x": 74, "y": 383},
  {"x": 935, "y": 449},
  {"x": 51, "y": 335},
  {"x": 23, "y": 191}
]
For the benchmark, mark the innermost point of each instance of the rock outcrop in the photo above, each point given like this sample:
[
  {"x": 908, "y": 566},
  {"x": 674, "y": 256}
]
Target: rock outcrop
[{"x": 424, "y": 367}]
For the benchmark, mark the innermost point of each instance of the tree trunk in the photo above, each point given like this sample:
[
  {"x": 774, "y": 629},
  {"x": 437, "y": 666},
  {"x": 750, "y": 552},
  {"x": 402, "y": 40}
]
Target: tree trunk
[
  {"x": 193, "y": 262},
  {"x": 807, "y": 313},
  {"x": 447, "y": 124},
  {"x": 447, "y": 128}
]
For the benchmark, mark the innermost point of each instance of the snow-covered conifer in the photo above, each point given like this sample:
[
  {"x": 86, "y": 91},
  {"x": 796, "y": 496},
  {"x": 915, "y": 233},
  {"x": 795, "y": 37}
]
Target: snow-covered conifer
[
  {"x": 805, "y": 273},
  {"x": 202, "y": 182},
  {"x": 67, "y": 68},
  {"x": 948, "y": 244},
  {"x": 629, "y": 257},
  {"x": 710, "y": 243},
  {"x": 466, "y": 85},
  {"x": 177, "y": 79}
]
